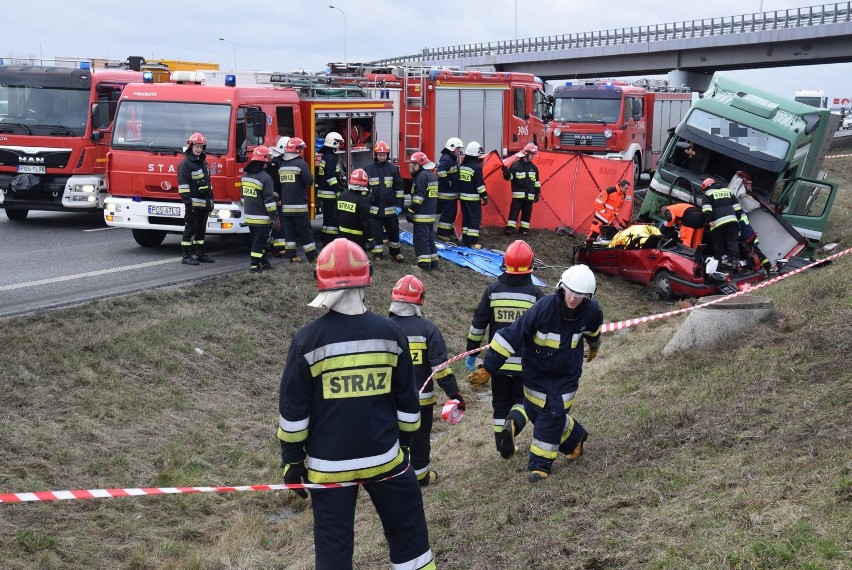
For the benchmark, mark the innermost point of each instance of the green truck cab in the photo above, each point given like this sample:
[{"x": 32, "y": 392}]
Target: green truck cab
[{"x": 733, "y": 128}]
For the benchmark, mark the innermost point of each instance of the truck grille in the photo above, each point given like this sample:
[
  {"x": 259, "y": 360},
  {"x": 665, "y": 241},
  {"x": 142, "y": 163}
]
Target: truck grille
[
  {"x": 582, "y": 139},
  {"x": 48, "y": 159}
]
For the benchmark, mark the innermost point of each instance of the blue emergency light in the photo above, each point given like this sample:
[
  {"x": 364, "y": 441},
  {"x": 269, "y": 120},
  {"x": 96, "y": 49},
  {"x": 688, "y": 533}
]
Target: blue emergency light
[
  {"x": 85, "y": 65},
  {"x": 230, "y": 80},
  {"x": 147, "y": 77}
]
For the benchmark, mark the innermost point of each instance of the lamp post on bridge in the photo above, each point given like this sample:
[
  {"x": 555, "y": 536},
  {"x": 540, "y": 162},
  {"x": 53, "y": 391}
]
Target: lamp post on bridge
[
  {"x": 233, "y": 47},
  {"x": 345, "y": 61}
]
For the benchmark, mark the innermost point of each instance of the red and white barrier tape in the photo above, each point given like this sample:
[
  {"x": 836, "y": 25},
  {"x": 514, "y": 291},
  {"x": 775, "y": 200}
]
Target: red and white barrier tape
[{"x": 838, "y": 155}]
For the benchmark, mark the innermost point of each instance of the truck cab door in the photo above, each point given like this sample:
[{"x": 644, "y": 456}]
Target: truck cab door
[
  {"x": 538, "y": 118},
  {"x": 805, "y": 204}
]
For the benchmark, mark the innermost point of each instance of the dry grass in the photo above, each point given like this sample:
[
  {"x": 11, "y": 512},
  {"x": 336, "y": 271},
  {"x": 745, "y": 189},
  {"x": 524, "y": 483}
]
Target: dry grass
[{"x": 736, "y": 457}]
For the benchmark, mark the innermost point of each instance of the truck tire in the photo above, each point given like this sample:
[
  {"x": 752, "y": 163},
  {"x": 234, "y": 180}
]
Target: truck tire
[
  {"x": 17, "y": 214},
  {"x": 149, "y": 238},
  {"x": 637, "y": 170},
  {"x": 663, "y": 285}
]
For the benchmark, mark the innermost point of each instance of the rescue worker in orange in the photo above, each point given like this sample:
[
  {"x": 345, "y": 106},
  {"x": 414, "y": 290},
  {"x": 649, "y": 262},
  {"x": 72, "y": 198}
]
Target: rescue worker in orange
[
  {"x": 607, "y": 205},
  {"x": 196, "y": 191},
  {"x": 684, "y": 220},
  {"x": 549, "y": 337},
  {"x": 258, "y": 197},
  {"x": 348, "y": 413},
  {"x": 526, "y": 189},
  {"x": 422, "y": 211},
  {"x": 428, "y": 352},
  {"x": 501, "y": 304},
  {"x": 722, "y": 212}
]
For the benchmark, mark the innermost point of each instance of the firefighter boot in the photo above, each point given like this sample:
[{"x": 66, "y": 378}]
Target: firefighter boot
[
  {"x": 537, "y": 475},
  {"x": 201, "y": 256},
  {"x": 255, "y": 266},
  {"x": 506, "y": 444},
  {"x": 188, "y": 257},
  {"x": 265, "y": 264},
  {"x": 430, "y": 477},
  {"x": 509, "y": 230},
  {"x": 578, "y": 450}
]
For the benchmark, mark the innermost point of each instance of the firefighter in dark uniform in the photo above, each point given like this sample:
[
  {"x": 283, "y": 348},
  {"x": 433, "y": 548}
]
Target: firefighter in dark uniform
[
  {"x": 348, "y": 412},
  {"x": 526, "y": 189},
  {"x": 502, "y": 303},
  {"x": 421, "y": 212},
  {"x": 428, "y": 352},
  {"x": 259, "y": 208},
  {"x": 196, "y": 192},
  {"x": 722, "y": 212},
  {"x": 353, "y": 211},
  {"x": 448, "y": 191},
  {"x": 330, "y": 178},
  {"x": 277, "y": 151},
  {"x": 386, "y": 201},
  {"x": 549, "y": 337},
  {"x": 294, "y": 178},
  {"x": 472, "y": 194}
]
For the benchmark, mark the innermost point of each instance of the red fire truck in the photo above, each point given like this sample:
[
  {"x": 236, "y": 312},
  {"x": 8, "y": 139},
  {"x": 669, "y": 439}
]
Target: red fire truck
[
  {"x": 617, "y": 119},
  {"x": 153, "y": 122},
  {"x": 55, "y": 126},
  {"x": 501, "y": 111}
]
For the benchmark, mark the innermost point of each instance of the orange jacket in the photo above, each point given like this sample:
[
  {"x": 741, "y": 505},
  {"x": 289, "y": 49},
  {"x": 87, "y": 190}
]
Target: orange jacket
[{"x": 608, "y": 203}]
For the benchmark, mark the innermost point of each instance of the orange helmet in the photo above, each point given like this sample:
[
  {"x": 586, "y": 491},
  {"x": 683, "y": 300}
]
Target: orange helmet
[
  {"x": 381, "y": 146},
  {"x": 420, "y": 158},
  {"x": 518, "y": 258},
  {"x": 359, "y": 178},
  {"x": 295, "y": 144},
  {"x": 196, "y": 138},
  {"x": 707, "y": 183},
  {"x": 261, "y": 153},
  {"x": 342, "y": 264},
  {"x": 530, "y": 148},
  {"x": 409, "y": 289}
]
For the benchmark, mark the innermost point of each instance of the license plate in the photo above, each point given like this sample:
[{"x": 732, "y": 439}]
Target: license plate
[
  {"x": 30, "y": 169},
  {"x": 164, "y": 211},
  {"x": 583, "y": 139}
]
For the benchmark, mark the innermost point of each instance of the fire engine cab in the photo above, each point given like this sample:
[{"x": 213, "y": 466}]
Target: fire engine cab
[{"x": 153, "y": 122}]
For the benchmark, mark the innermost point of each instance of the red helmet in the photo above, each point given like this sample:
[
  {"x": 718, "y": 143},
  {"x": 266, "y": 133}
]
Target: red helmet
[
  {"x": 707, "y": 183},
  {"x": 420, "y": 158},
  {"x": 359, "y": 178},
  {"x": 518, "y": 258},
  {"x": 381, "y": 146},
  {"x": 342, "y": 264},
  {"x": 261, "y": 153},
  {"x": 196, "y": 138},
  {"x": 295, "y": 144},
  {"x": 409, "y": 289},
  {"x": 530, "y": 148}
]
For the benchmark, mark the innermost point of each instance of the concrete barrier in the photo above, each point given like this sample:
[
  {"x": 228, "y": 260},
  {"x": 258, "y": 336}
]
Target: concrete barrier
[{"x": 707, "y": 326}]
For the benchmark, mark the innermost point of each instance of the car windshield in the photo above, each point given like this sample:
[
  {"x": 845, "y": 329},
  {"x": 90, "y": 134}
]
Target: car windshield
[
  {"x": 167, "y": 125},
  {"x": 586, "y": 110},
  {"x": 751, "y": 139},
  {"x": 44, "y": 110}
]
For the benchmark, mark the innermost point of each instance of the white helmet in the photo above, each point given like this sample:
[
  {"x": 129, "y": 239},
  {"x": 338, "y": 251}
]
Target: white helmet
[
  {"x": 279, "y": 147},
  {"x": 473, "y": 148},
  {"x": 333, "y": 140},
  {"x": 578, "y": 279},
  {"x": 454, "y": 143}
]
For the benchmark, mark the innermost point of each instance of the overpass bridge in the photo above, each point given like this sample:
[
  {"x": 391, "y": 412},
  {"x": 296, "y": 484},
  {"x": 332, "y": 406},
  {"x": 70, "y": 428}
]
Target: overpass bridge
[{"x": 689, "y": 51}]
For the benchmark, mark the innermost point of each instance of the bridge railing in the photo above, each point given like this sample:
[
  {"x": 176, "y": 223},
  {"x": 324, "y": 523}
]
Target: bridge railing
[{"x": 779, "y": 19}]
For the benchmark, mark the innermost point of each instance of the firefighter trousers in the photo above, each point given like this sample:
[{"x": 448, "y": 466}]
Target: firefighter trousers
[
  {"x": 298, "y": 231},
  {"x": 523, "y": 207},
  {"x": 449, "y": 211},
  {"x": 507, "y": 397},
  {"x": 724, "y": 240},
  {"x": 471, "y": 220},
  {"x": 552, "y": 434},
  {"x": 329, "y": 220},
  {"x": 423, "y": 236},
  {"x": 381, "y": 226},
  {"x": 194, "y": 226},
  {"x": 279, "y": 237},
  {"x": 399, "y": 504},
  {"x": 421, "y": 446},
  {"x": 259, "y": 243}
]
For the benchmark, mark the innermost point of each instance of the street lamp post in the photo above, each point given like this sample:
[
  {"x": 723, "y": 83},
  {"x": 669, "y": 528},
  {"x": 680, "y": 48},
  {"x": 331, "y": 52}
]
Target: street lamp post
[
  {"x": 345, "y": 61},
  {"x": 233, "y": 47}
]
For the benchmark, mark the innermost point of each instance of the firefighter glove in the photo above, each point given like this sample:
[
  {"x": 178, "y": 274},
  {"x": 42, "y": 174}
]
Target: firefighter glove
[
  {"x": 593, "y": 352},
  {"x": 461, "y": 401},
  {"x": 296, "y": 474},
  {"x": 537, "y": 196},
  {"x": 409, "y": 216},
  {"x": 398, "y": 210},
  {"x": 276, "y": 225},
  {"x": 470, "y": 362},
  {"x": 506, "y": 174},
  {"x": 485, "y": 199},
  {"x": 479, "y": 377}
]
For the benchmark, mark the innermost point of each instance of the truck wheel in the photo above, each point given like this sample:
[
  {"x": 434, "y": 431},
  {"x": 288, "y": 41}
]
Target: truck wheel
[
  {"x": 149, "y": 238},
  {"x": 637, "y": 170},
  {"x": 17, "y": 214},
  {"x": 663, "y": 285}
]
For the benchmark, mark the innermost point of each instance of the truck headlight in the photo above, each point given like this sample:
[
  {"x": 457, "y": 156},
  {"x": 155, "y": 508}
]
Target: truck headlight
[
  {"x": 607, "y": 133},
  {"x": 110, "y": 207},
  {"x": 222, "y": 214},
  {"x": 84, "y": 188},
  {"x": 557, "y": 131}
]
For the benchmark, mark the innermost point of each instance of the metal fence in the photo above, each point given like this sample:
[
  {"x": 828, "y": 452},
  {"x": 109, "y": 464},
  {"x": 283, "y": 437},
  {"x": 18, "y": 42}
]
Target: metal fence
[{"x": 756, "y": 22}]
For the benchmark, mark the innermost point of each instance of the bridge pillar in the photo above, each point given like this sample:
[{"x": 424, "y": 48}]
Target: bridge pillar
[{"x": 695, "y": 80}]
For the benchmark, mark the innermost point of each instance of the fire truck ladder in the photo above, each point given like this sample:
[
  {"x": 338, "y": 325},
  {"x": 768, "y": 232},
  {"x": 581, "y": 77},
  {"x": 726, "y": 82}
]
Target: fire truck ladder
[{"x": 413, "y": 86}]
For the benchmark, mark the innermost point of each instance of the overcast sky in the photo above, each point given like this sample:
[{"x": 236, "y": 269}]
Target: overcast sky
[{"x": 306, "y": 34}]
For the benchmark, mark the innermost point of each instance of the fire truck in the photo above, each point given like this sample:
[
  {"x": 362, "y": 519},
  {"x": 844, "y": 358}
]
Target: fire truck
[
  {"x": 55, "y": 125},
  {"x": 502, "y": 111},
  {"x": 153, "y": 123},
  {"x": 617, "y": 119}
]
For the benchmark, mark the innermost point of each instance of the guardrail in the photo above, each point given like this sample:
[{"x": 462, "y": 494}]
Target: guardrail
[{"x": 755, "y": 22}]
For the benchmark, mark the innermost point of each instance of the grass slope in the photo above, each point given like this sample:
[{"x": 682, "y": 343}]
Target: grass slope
[{"x": 735, "y": 457}]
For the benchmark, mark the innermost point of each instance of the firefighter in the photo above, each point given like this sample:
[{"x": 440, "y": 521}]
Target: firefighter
[
  {"x": 448, "y": 191},
  {"x": 330, "y": 178},
  {"x": 277, "y": 152},
  {"x": 607, "y": 205},
  {"x": 684, "y": 221},
  {"x": 259, "y": 207},
  {"x": 353, "y": 211},
  {"x": 501, "y": 304},
  {"x": 428, "y": 351},
  {"x": 348, "y": 412},
  {"x": 526, "y": 189},
  {"x": 196, "y": 192},
  {"x": 549, "y": 337},
  {"x": 722, "y": 212},
  {"x": 386, "y": 201},
  {"x": 294, "y": 177},
  {"x": 421, "y": 213},
  {"x": 472, "y": 194}
]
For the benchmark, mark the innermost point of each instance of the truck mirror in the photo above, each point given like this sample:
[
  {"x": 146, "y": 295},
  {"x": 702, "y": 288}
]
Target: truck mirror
[
  {"x": 97, "y": 136},
  {"x": 811, "y": 123},
  {"x": 94, "y": 116},
  {"x": 258, "y": 126}
]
